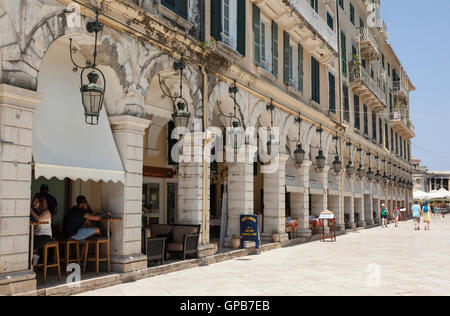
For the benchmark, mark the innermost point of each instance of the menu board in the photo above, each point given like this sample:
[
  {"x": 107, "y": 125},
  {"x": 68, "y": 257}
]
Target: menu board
[{"x": 249, "y": 229}]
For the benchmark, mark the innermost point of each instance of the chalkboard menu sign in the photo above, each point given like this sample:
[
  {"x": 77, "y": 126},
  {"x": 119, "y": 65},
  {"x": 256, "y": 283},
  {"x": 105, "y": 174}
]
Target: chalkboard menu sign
[{"x": 249, "y": 229}]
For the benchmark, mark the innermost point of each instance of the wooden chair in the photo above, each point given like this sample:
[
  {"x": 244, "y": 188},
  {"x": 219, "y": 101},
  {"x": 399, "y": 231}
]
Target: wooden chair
[
  {"x": 67, "y": 244},
  {"x": 97, "y": 242},
  {"x": 50, "y": 245}
]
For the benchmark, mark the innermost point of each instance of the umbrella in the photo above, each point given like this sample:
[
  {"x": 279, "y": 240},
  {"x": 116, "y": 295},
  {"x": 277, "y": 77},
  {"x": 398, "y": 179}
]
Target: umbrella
[{"x": 420, "y": 195}]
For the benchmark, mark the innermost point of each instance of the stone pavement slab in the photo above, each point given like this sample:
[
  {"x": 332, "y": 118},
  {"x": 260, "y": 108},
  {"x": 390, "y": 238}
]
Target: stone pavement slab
[{"x": 389, "y": 261}]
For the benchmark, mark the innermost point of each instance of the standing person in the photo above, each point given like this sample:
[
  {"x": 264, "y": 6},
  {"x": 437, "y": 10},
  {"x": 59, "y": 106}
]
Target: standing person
[
  {"x": 435, "y": 211},
  {"x": 384, "y": 215},
  {"x": 51, "y": 201},
  {"x": 426, "y": 215},
  {"x": 415, "y": 209},
  {"x": 43, "y": 233},
  {"x": 396, "y": 214}
]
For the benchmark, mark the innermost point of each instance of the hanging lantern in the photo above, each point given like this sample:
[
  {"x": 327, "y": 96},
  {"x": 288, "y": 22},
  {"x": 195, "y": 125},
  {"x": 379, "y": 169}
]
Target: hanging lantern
[
  {"x": 320, "y": 160},
  {"x": 92, "y": 92},
  {"x": 181, "y": 116},
  {"x": 378, "y": 176},
  {"x": 337, "y": 164},
  {"x": 370, "y": 174},
  {"x": 361, "y": 172},
  {"x": 385, "y": 178},
  {"x": 299, "y": 155},
  {"x": 237, "y": 134},
  {"x": 350, "y": 169}
]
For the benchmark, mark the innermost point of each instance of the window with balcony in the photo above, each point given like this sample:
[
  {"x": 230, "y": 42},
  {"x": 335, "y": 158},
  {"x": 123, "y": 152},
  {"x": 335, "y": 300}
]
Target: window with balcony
[
  {"x": 352, "y": 14},
  {"x": 315, "y": 5},
  {"x": 287, "y": 60},
  {"x": 228, "y": 23},
  {"x": 180, "y": 7},
  {"x": 357, "y": 112}
]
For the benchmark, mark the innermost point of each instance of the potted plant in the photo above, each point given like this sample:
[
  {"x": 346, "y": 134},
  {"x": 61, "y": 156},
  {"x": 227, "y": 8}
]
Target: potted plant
[
  {"x": 236, "y": 242},
  {"x": 275, "y": 236}
]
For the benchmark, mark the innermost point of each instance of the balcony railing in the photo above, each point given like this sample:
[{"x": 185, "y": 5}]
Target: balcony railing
[
  {"x": 399, "y": 88},
  {"x": 360, "y": 74},
  {"x": 399, "y": 117},
  {"x": 315, "y": 21},
  {"x": 369, "y": 44}
]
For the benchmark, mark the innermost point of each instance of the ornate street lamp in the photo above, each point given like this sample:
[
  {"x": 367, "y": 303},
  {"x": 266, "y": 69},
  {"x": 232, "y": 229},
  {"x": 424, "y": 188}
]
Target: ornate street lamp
[
  {"x": 361, "y": 172},
  {"x": 320, "y": 159},
  {"x": 237, "y": 132},
  {"x": 378, "y": 174},
  {"x": 181, "y": 113},
  {"x": 337, "y": 164},
  {"x": 370, "y": 174},
  {"x": 92, "y": 92},
  {"x": 299, "y": 153},
  {"x": 270, "y": 107},
  {"x": 350, "y": 168}
]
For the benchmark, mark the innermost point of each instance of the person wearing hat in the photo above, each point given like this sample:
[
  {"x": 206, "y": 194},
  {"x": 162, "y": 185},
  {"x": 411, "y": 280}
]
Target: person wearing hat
[
  {"x": 51, "y": 201},
  {"x": 426, "y": 215}
]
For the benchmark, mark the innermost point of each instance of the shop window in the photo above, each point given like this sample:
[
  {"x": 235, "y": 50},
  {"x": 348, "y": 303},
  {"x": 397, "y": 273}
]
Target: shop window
[{"x": 151, "y": 202}]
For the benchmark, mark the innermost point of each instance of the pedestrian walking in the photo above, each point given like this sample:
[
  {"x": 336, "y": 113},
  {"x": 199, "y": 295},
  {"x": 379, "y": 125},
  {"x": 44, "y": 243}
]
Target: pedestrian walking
[
  {"x": 396, "y": 214},
  {"x": 426, "y": 215},
  {"x": 435, "y": 212},
  {"x": 384, "y": 215},
  {"x": 415, "y": 209}
]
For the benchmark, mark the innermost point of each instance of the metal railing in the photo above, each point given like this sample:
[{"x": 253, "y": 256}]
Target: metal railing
[
  {"x": 367, "y": 36},
  {"x": 398, "y": 116},
  {"x": 359, "y": 73},
  {"x": 315, "y": 21},
  {"x": 398, "y": 87}
]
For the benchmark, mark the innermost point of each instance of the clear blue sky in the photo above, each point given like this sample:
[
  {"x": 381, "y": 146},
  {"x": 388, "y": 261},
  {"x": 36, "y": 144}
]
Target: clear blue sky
[{"x": 419, "y": 32}]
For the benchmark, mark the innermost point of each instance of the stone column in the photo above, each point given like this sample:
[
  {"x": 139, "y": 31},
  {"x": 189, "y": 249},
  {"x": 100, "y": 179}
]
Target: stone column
[
  {"x": 274, "y": 199},
  {"x": 17, "y": 108},
  {"x": 125, "y": 199},
  {"x": 351, "y": 206},
  {"x": 240, "y": 191},
  {"x": 376, "y": 209},
  {"x": 190, "y": 191},
  {"x": 300, "y": 202}
]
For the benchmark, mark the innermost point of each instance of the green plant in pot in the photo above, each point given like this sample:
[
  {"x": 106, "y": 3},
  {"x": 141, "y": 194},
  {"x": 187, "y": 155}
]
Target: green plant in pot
[
  {"x": 275, "y": 236},
  {"x": 236, "y": 241}
]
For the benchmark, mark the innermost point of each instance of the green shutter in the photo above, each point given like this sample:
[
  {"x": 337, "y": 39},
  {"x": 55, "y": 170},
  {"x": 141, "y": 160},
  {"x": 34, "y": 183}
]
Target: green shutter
[
  {"x": 344, "y": 53},
  {"x": 300, "y": 68},
  {"x": 241, "y": 27},
  {"x": 274, "y": 49},
  {"x": 286, "y": 58},
  {"x": 332, "y": 92},
  {"x": 256, "y": 34},
  {"x": 216, "y": 19},
  {"x": 315, "y": 80}
]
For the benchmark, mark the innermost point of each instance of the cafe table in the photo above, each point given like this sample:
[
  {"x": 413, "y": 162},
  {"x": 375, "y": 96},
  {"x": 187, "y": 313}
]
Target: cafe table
[{"x": 33, "y": 224}]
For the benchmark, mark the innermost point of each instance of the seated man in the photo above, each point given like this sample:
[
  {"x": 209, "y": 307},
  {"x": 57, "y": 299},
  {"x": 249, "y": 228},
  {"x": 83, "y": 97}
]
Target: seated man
[{"x": 74, "y": 221}]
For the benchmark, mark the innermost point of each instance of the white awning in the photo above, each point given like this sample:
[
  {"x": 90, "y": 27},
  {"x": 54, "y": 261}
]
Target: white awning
[{"x": 64, "y": 146}]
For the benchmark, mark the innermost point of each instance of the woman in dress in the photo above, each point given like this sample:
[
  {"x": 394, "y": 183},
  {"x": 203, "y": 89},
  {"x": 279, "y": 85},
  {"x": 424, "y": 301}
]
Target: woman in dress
[
  {"x": 426, "y": 215},
  {"x": 43, "y": 233}
]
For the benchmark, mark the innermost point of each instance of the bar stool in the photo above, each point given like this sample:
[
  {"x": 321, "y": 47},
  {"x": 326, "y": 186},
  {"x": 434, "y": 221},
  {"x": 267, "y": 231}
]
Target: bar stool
[
  {"x": 67, "y": 244},
  {"x": 50, "y": 245},
  {"x": 97, "y": 242}
]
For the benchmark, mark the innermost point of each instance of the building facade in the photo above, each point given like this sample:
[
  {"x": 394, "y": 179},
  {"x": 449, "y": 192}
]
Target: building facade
[
  {"x": 426, "y": 180},
  {"x": 316, "y": 73}
]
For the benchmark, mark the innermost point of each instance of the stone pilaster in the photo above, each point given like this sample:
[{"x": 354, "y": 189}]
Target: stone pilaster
[
  {"x": 368, "y": 207},
  {"x": 190, "y": 191},
  {"x": 274, "y": 199},
  {"x": 240, "y": 190},
  {"x": 17, "y": 108},
  {"x": 125, "y": 199},
  {"x": 300, "y": 202}
]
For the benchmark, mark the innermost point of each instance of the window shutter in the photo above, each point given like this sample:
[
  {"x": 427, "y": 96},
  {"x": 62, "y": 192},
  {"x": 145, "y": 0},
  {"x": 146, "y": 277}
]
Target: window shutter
[
  {"x": 183, "y": 8},
  {"x": 256, "y": 34},
  {"x": 300, "y": 68},
  {"x": 286, "y": 59},
  {"x": 332, "y": 92},
  {"x": 216, "y": 19},
  {"x": 241, "y": 27},
  {"x": 274, "y": 49},
  {"x": 344, "y": 53},
  {"x": 315, "y": 80}
]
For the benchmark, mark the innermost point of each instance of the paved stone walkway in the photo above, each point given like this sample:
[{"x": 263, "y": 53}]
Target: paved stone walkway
[{"x": 392, "y": 261}]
